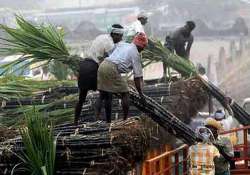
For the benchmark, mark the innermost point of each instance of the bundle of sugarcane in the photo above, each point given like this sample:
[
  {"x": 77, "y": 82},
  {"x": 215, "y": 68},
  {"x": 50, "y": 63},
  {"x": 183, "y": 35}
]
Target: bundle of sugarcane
[
  {"x": 186, "y": 98},
  {"x": 89, "y": 147},
  {"x": 58, "y": 111},
  {"x": 151, "y": 107},
  {"x": 44, "y": 97},
  {"x": 13, "y": 87},
  {"x": 11, "y": 90},
  {"x": 164, "y": 118},
  {"x": 183, "y": 98},
  {"x": 157, "y": 52}
]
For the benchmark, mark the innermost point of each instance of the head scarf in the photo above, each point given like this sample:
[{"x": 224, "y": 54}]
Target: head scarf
[
  {"x": 115, "y": 30},
  {"x": 205, "y": 134},
  {"x": 142, "y": 15},
  {"x": 140, "y": 40},
  {"x": 219, "y": 114}
]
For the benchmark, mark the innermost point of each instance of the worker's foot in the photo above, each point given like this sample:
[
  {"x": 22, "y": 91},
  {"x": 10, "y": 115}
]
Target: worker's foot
[{"x": 125, "y": 118}]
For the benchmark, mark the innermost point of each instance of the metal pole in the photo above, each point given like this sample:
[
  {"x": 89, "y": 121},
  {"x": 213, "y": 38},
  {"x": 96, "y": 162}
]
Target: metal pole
[{"x": 210, "y": 98}]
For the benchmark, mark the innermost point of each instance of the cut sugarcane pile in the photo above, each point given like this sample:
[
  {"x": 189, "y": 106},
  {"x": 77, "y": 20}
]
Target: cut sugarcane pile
[
  {"x": 95, "y": 147},
  {"x": 183, "y": 98},
  {"x": 163, "y": 94},
  {"x": 14, "y": 87},
  {"x": 90, "y": 148},
  {"x": 164, "y": 118}
]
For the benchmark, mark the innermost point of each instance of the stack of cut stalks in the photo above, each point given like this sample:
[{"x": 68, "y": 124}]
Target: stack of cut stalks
[
  {"x": 90, "y": 147},
  {"x": 183, "y": 98}
]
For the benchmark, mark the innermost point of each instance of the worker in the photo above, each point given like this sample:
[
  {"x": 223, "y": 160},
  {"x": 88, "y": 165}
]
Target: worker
[
  {"x": 226, "y": 122},
  {"x": 100, "y": 48},
  {"x": 136, "y": 27},
  {"x": 224, "y": 145},
  {"x": 201, "y": 155},
  {"x": 180, "y": 41},
  {"x": 123, "y": 59}
]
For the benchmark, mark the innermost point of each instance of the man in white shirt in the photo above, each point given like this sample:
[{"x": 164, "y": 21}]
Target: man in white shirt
[
  {"x": 124, "y": 58},
  {"x": 226, "y": 122},
  {"x": 100, "y": 49},
  {"x": 136, "y": 27},
  {"x": 104, "y": 44}
]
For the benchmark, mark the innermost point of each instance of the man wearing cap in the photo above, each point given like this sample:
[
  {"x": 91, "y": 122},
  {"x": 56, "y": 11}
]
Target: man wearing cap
[
  {"x": 180, "y": 41},
  {"x": 124, "y": 58},
  {"x": 136, "y": 27},
  {"x": 100, "y": 49},
  {"x": 224, "y": 145}
]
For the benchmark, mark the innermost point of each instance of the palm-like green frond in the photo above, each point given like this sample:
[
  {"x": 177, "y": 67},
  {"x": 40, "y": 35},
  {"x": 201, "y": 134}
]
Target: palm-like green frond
[
  {"x": 40, "y": 145},
  {"x": 36, "y": 44}
]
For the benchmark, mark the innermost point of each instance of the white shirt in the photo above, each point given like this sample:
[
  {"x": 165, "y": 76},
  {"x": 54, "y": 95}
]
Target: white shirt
[
  {"x": 134, "y": 28},
  {"x": 127, "y": 58},
  {"x": 100, "y": 45},
  {"x": 227, "y": 123}
]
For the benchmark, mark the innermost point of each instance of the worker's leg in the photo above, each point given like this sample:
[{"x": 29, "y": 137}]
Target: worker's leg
[
  {"x": 125, "y": 104},
  {"x": 99, "y": 102},
  {"x": 78, "y": 108},
  {"x": 164, "y": 69},
  {"x": 107, "y": 97},
  {"x": 108, "y": 106}
]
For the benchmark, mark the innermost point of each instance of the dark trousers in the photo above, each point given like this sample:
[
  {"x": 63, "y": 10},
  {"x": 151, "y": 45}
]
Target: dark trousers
[
  {"x": 87, "y": 80},
  {"x": 82, "y": 97}
]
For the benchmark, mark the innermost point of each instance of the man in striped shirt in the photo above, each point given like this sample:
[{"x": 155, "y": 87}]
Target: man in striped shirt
[
  {"x": 201, "y": 158},
  {"x": 202, "y": 155}
]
